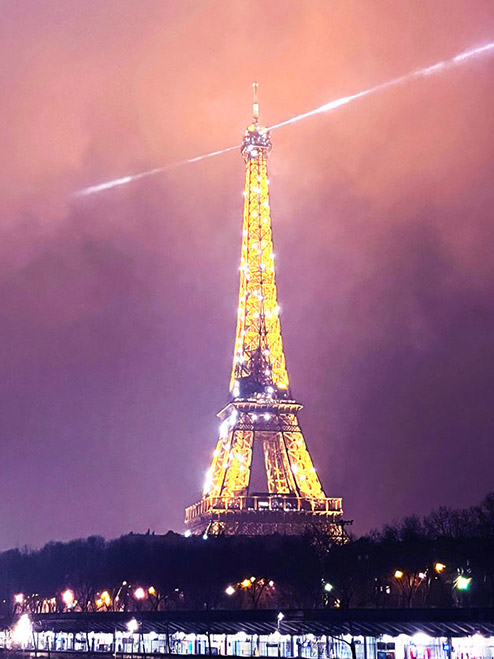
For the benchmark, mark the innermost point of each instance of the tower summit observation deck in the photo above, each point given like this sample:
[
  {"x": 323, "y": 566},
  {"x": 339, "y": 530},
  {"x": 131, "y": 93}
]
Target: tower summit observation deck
[{"x": 261, "y": 479}]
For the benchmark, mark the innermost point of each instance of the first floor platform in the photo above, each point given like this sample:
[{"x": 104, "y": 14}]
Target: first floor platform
[{"x": 265, "y": 514}]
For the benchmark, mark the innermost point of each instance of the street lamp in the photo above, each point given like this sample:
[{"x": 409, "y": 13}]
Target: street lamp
[
  {"x": 230, "y": 590},
  {"x": 22, "y": 631},
  {"x": 132, "y": 625},
  {"x": 409, "y": 583},
  {"x": 106, "y": 598},
  {"x": 68, "y": 598},
  {"x": 462, "y": 582},
  {"x": 117, "y": 596},
  {"x": 19, "y": 602},
  {"x": 279, "y": 618},
  {"x": 139, "y": 593}
]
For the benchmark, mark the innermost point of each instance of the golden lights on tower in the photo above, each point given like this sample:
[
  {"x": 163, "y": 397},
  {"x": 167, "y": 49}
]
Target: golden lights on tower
[
  {"x": 258, "y": 342},
  {"x": 261, "y": 415}
]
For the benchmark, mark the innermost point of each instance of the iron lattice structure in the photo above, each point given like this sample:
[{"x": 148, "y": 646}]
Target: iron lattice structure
[{"x": 262, "y": 479}]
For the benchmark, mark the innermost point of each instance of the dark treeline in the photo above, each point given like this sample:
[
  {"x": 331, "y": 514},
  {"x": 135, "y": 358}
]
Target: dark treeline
[{"x": 445, "y": 559}]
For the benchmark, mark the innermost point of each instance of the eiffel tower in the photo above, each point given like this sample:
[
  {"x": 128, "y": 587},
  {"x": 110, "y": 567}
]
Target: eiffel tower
[{"x": 262, "y": 479}]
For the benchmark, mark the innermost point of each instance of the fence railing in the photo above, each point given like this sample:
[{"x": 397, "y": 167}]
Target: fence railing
[{"x": 274, "y": 503}]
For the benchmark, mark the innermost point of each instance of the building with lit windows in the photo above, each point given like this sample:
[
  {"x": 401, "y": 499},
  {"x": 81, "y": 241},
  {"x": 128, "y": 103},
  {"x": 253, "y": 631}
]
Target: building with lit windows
[{"x": 326, "y": 633}]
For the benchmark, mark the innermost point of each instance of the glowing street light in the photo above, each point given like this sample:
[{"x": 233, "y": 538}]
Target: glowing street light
[
  {"x": 230, "y": 590},
  {"x": 139, "y": 593},
  {"x": 117, "y": 596},
  {"x": 152, "y": 590},
  {"x": 328, "y": 587},
  {"x": 105, "y": 598},
  {"x": 246, "y": 583},
  {"x": 462, "y": 582},
  {"x": 132, "y": 625},
  {"x": 22, "y": 631},
  {"x": 439, "y": 567},
  {"x": 68, "y": 598},
  {"x": 422, "y": 639},
  {"x": 398, "y": 574},
  {"x": 19, "y": 598}
]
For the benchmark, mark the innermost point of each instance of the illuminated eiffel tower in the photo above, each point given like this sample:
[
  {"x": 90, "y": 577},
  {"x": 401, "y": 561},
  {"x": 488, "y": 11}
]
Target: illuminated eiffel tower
[{"x": 261, "y": 478}]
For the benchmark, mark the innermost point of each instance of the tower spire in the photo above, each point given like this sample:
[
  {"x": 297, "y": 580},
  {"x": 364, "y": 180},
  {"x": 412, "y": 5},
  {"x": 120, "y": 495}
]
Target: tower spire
[
  {"x": 261, "y": 479},
  {"x": 255, "y": 105}
]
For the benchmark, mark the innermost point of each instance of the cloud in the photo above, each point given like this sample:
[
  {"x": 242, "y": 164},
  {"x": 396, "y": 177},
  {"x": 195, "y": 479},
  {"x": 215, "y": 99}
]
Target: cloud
[{"x": 118, "y": 311}]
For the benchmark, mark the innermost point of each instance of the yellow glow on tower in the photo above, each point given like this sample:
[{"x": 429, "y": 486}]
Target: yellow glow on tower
[
  {"x": 258, "y": 343},
  {"x": 261, "y": 418}
]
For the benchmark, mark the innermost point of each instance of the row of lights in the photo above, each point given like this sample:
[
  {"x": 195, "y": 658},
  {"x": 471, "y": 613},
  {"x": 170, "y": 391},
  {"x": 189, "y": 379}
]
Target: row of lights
[
  {"x": 104, "y": 599},
  {"x": 23, "y": 629},
  {"x": 248, "y": 583},
  {"x": 461, "y": 582}
]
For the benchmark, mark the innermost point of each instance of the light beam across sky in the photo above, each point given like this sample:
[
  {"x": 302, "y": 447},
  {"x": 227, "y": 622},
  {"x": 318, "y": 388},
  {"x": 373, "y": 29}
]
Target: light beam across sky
[
  {"x": 92, "y": 189},
  {"x": 441, "y": 66},
  {"x": 427, "y": 71}
]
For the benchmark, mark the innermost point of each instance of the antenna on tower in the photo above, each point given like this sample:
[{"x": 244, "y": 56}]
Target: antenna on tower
[{"x": 255, "y": 106}]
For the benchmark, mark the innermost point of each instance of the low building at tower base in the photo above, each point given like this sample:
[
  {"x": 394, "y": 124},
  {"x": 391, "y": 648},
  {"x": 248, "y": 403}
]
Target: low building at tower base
[{"x": 309, "y": 634}]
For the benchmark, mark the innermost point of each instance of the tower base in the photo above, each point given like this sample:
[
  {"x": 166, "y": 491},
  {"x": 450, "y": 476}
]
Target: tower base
[{"x": 265, "y": 514}]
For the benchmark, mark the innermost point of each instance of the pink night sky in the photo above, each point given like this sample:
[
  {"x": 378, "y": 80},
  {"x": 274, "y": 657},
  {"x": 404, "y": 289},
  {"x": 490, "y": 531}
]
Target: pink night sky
[{"x": 118, "y": 309}]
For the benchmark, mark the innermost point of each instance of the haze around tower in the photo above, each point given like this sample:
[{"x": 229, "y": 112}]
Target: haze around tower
[
  {"x": 118, "y": 310},
  {"x": 441, "y": 66}
]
